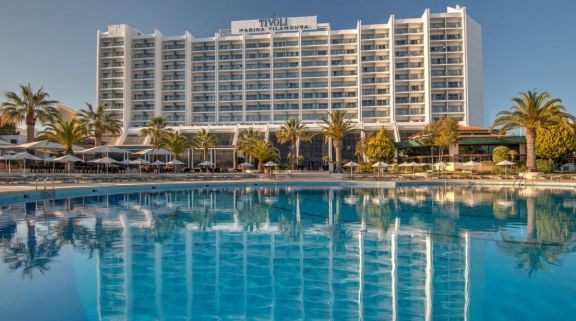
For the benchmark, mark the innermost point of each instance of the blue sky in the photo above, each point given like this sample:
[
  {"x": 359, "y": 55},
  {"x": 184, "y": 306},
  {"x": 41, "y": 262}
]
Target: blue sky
[{"x": 528, "y": 44}]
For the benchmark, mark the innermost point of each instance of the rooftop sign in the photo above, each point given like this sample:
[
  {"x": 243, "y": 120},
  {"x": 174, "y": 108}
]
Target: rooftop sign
[{"x": 274, "y": 24}]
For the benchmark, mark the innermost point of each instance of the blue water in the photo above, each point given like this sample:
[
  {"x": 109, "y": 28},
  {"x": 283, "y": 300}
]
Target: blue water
[{"x": 410, "y": 253}]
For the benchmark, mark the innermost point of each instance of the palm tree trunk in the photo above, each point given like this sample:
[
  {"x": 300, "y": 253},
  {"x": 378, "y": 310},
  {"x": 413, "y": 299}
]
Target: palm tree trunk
[
  {"x": 530, "y": 219},
  {"x": 204, "y": 152},
  {"x": 260, "y": 166},
  {"x": 530, "y": 154},
  {"x": 338, "y": 150},
  {"x": 97, "y": 139},
  {"x": 30, "y": 124},
  {"x": 293, "y": 155}
]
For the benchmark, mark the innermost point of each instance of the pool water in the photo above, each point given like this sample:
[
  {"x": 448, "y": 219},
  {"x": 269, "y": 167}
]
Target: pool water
[{"x": 293, "y": 253}]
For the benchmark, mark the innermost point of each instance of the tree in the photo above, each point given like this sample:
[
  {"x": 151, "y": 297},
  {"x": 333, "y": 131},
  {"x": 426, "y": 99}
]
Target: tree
[
  {"x": 204, "y": 140},
  {"x": 98, "y": 122},
  {"x": 264, "y": 151},
  {"x": 293, "y": 131},
  {"x": 336, "y": 127},
  {"x": 30, "y": 106},
  {"x": 177, "y": 143},
  {"x": 500, "y": 154},
  {"x": 440, "y": 133},
  {"x": 157, "y": 129},
  {"x": 533, "y": 110},
  {"x": 554, "y": 142},
  {"x": 512, "y": 153},
  {"x": 65, "y": 132},
  {"x": 8, "y": 129},
  {"x": 362, "y": 146},
  {"x": 380, "y": 146},
  {"x": 246, "y": 140}
]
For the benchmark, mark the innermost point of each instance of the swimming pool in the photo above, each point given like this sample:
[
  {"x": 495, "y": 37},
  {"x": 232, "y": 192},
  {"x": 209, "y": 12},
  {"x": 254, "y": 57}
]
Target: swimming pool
[{"x": 292, "y": 253}]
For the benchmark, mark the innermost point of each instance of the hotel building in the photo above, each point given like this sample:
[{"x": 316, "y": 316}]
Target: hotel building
[{"x": 400, "y": 74}]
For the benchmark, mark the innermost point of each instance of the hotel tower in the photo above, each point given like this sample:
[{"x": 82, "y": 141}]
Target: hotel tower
[{"x": 399, "y": 74}]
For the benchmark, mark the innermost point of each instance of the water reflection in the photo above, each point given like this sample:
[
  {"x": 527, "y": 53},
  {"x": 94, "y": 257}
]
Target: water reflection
[{"x": 270, "y": 253}]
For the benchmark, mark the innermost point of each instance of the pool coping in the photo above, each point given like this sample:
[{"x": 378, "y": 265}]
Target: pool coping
[{"x": 8, "y": 195}]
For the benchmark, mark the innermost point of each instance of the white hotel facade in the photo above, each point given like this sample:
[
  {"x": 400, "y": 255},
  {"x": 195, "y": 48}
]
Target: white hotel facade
[{"x": 400, "y": 74}]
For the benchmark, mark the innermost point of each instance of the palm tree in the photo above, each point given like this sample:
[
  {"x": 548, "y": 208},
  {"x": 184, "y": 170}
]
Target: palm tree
[
  {"x": 65, "y": 132},
  {"x": 177, "y": 143},
  {"x": 246, "y": 140},
  {"x": 30, "y": 253},
  {"x": 264, "y": 151},
  {"x": 204, "y": 140},
  {"x": 157, "y": 129},
  {"x": 98, "y": 122},
  {"x": 336, "y": 127},
  {"x": 533, "y": 110},
  {"x": 30, "y": 106},
  {"x": 293, "y": 131}
]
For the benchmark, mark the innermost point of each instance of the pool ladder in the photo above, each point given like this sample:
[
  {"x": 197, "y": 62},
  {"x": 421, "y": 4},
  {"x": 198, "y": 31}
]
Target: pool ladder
[
  {"x": 520, "y": 180},
  {"x": 46, "y": 192}
]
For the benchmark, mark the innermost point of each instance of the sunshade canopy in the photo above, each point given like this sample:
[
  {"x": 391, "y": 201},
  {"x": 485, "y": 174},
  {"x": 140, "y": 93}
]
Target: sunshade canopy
[
  {"x": 151, "y": 151},
  {"x": 68, "y": 158},
  {"x": 105, "y": 160},
  {"x": 26, "y": 155},
  {"x": 351, "y": 164},
  {"x": 505, "y": 163},
  {"x": 139, "y": 161},
  {"x": 175, "y": 162},
  {"x": 380, "y": 165},
  {"x": 206, "y": 163},
  {"x": 103, "y": 149}
]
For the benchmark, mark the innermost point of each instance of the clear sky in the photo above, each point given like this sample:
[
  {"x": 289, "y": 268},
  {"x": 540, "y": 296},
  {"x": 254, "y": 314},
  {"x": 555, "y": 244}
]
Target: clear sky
[{"x": 528, "y": 44}]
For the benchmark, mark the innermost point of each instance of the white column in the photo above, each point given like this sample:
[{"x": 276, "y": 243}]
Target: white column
[
  {"x": 188, "y": 75},
  {"x": 427, "y": 72},
  {"x": 271, "y": 71},
  {"x": 300, "y": 74},
  {"x": 243, "y": 80},
  {"x": 359, "y": 70},
  {"x": 97, "y": 100},
  {"x": 392, "y": 51},
  {"x": 157, "y": 73},
  {"x": 216, "y": 80},
  {"x": 329, "y": 53},
  {"x": 127, "y": 100}
]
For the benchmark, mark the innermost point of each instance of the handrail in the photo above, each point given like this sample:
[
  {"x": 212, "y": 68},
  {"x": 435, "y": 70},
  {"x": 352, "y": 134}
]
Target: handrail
[{"x": 45, "y": 188}]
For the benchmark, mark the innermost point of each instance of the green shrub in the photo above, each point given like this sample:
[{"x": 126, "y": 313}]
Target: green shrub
[
  {"x": 545, "y": 165},
  {"x": 497, "y": 170},
  {"x": 500, "y": 154},
  {"x": 364, "y": 168}
]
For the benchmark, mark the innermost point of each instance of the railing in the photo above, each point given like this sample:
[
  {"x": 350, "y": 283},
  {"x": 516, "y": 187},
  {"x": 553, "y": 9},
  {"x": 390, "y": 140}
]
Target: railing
[{"x": 45, "y": 192}]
